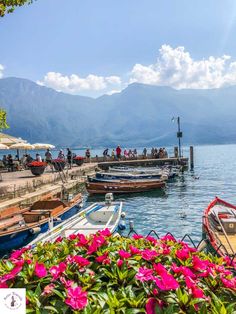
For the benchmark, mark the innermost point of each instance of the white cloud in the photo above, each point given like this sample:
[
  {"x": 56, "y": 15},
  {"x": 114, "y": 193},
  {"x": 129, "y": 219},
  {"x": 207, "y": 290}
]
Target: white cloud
[
  {"x": 74, "y": 84},
  {"x": 1, "y": 70},
  {"x": 176, "y": 68}
]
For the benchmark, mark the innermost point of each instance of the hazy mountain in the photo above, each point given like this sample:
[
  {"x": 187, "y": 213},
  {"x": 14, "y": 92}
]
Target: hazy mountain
[{"x": 139, "y": 115}]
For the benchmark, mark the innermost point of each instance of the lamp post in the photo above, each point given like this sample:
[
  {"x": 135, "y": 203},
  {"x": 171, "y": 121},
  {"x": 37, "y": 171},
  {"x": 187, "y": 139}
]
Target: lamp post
[{"x": 179, "y": 133}]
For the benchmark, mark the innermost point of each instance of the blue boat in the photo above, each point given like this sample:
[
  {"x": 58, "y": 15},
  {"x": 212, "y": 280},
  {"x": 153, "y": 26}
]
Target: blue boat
[{"x": 19, "y": 227}]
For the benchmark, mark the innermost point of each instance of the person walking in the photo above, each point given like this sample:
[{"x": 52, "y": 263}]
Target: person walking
[
  {"x": 88, "y": 155},
  {"x": 118, "y": 152},
  {"x": 69, "y": 157},
  {"x": 105, "y": 154}
]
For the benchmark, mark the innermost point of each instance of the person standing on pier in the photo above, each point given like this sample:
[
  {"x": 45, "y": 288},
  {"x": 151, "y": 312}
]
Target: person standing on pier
[
  {"x": 87, "y": 154},
  {"x": 61, "y": 155},
  {"x": 105, "y": 154},
  {"x": 69, "y": 157},
  {"x": 118, "y": 152},
  {"x": 48, "y": 156}
]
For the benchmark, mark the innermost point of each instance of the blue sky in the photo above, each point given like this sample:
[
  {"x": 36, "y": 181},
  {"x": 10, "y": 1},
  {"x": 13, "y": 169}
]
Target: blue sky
[{"x": 94, "y": 47}]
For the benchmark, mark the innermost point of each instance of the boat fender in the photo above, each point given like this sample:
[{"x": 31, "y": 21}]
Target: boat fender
[
  {"x": 122, "y": 225},
  {"x": 123, "y": 215},
  {"x": 58, "y": 219},
  {"x": 35, "y": 230}
]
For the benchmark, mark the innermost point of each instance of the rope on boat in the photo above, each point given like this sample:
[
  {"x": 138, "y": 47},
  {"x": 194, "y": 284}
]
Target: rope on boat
[{"x": 200, "y": 246}]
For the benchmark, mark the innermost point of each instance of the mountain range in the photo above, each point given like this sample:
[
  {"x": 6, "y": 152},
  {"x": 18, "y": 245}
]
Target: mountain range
[{"x": 140, "y": 115}]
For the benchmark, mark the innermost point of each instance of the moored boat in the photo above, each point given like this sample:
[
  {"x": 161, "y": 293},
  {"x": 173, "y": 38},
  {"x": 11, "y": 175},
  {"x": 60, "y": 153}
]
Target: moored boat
[
  {"x": 20, "y": 226},
  {"x": 125, "y": 186},
  {"x": 129, "y": 176},
  {"x": 219, "y": 226},
  {"x": 98, "y": 216}
]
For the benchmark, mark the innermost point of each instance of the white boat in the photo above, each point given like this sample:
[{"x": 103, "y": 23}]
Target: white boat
[{"x": 98, "y": 216}]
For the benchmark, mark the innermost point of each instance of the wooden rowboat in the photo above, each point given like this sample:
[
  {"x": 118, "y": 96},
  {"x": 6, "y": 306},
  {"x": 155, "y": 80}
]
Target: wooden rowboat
[
  {"x": 219, "y": 225},
  {"x": 20, "y": 226},
  {"x": 123, "y": 186}
]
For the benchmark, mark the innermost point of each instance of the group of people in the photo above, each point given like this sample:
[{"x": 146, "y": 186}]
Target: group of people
[{"x": 159, "y": 153}]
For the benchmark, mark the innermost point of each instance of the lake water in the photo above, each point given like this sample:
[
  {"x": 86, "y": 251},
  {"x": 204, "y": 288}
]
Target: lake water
[{"x": 216, "y": 168}]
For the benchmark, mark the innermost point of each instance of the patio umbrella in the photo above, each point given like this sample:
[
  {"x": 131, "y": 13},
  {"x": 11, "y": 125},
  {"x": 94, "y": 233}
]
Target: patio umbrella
[
  {"x": 26, "y": 146},
  {"x": 43, "y": 146},
  {"x": 8, "y": 140},
  {"x": 3, "y": 146}
]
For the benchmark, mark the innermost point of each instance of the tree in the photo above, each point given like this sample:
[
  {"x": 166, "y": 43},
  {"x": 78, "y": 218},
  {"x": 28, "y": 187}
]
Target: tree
[
  {"x": 3, "y": 119},
  {"x": 8, "y": 6}
]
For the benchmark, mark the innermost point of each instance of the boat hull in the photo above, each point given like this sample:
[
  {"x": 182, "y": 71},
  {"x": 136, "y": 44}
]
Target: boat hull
[
  {"x": 114, "y": 176},
  {"x": 123, "y": 187},
  {"x": 22, "y": 237}
]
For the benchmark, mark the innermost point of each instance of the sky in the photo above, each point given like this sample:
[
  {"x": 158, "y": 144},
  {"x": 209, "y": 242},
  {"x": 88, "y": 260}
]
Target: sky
[{"x": 97, "y": 47}]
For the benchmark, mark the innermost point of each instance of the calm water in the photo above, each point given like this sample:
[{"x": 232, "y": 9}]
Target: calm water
[{"x": 214, "y": 165}]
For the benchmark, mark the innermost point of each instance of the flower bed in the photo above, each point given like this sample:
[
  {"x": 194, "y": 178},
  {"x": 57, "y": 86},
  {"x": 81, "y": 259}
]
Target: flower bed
[
  {"x": 106, "y": 274},
  {"x": 37, "y": 167},
  {"x": 58, "y": 164},
  {"x": 78, "y": 160}
]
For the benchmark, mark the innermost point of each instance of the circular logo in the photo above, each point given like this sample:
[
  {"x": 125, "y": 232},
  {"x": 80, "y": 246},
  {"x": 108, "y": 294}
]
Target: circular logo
[{"x": 13, "y": 301}]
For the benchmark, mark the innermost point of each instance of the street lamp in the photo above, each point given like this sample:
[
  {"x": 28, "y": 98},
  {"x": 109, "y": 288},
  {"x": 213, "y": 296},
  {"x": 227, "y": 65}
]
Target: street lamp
[{"x": 179, "y": 133}]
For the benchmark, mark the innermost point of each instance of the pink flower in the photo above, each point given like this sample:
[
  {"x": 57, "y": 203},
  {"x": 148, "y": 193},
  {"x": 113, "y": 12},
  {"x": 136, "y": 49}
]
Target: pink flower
[
  {"x": 151, "y": 239},
  {"x": 16, "y": 254},
  {"x": 137, "y": 236},
  {"x": 3, "y": 285},
  {"x": 105, "y": 233},
  {"x": 82, "y": 240},
  {"x": 199, "y": 264},
  {"x": 149, "y": 254},
  {"x": 66, "y": 283},
  {"x": 98, "y": 241},
  {"x": 134, "y": 250},
  {"x": 120, "y": 263},
  {"x": 81, "y": 261},
  {"x": 160, "y": 269},
  {"x": 196, "y": 292},
  {"x": 11, "y": 275},
  {"x": 168, "y": 237},
  {"x": 40, "y": 270},
  {"x": 144, "y": 274},
  {"x": 151, "y": 306},
  {"x": 48, "y": 289},
  {"x": 229, "y": 283},
  {"x": 76, "y": 298},
  {"x": 72, "y": 236},
  {"x": 57, "y": 270},
  {"x": 103, "y": 259},
  {"x": 183, "y": 253},
  {"x": 167, "y": 282},
  {"x": 124, "y": 254},
  {"x": 58, "y": 240},
  {"x": 183, "y": 270}
]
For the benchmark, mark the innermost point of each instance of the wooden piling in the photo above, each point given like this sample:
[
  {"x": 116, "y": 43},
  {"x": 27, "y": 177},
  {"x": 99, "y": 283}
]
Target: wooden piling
[
  {"x": 176, "y": 152},
  {"x": 191, "y": 158}
]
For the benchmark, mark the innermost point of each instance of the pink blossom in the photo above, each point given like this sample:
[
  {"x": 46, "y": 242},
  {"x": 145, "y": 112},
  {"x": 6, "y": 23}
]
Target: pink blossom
[
  {"x": 151, "y": 306},
  {"x": 160, "y": 269},
  {"x": 98, "y": 241},
  {"x": 196, "y": 292},
  {"x": 167, "y": 282},
  {"x": 72, "y": 236},
  {"x": 55, "y": 272},
  {"x": 168, "y": 237},
  {"x": 105, "y": 232},
  {"x": 134, "y": 250},
  {"x": 58, "y": 240},
  {"x": 81, "y": 261},
  {"x": 124, "y": 254},
  {"x": 66, "y": 283},
  {"x": 199, "y": 264},
  {"x": 76, "y": 298},
  {"x": 82, "y": 240},
  {"x": 183, "y": 270},
  {"x": 3, "y": 285},
  {"x": 151, "y": 239},
  {"x": 148, "y": 254},
  {"x": 103, "y": 259},
  {"x": 40, "y": 270},
  {"x": 12, "y": 274},
  {"x": 229, "y": 283},
  {"x": 165, "y": 250},
  {"x": 48, "y": 289},
  {"x": 144, "y": 274},
  {"x": 16, "y": 254},
  {"x": 183, "y": 253},
  {"x": 18, "y": 262},
  {"x": 137, "y": 236},
  {"x": 120, "y": 263}
]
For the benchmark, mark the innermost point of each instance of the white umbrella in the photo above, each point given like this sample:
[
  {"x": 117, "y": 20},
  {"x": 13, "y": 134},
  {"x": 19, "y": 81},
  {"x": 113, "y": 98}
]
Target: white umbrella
[
  {"x": 3, "y": 146},
  {"x": 22, "y": 146},
  {"x": 7, "y": 139},
  {"x": 43, "y": 146}
]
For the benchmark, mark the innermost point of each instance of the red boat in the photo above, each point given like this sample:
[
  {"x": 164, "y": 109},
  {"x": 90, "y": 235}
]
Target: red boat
[
  {"x": 123, "y": 186},
  {"x": 219, "y": 225}
]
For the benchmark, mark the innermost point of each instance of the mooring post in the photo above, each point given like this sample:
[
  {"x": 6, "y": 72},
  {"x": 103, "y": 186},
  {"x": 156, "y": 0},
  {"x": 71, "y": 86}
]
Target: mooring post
[
  {"x": 176, "y": 152},
  {"x": 191, "y": 158}
]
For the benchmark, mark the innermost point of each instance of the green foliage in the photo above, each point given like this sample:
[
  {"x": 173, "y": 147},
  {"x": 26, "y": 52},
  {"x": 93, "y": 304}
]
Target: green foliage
[
  {"x": 8, "y": 6},
  {"x": 107, "y": 269},
  {"x": 3, "y": 119}
]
